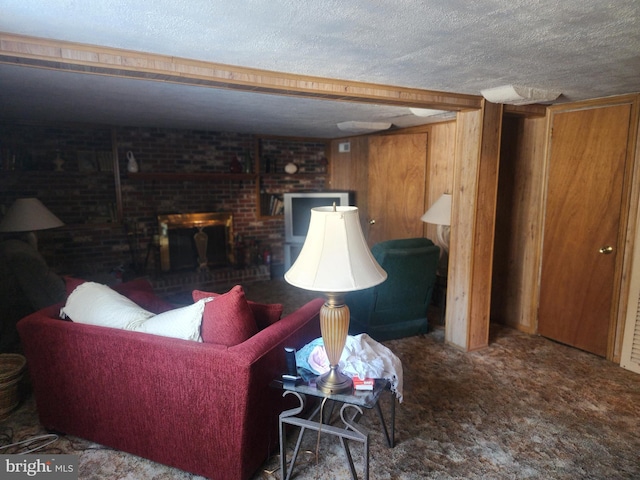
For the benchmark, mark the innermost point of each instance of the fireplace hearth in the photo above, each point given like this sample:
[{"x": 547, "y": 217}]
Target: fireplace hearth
[
  {"x": 195, "y": 241},
  {"x": 188, "y": 263}
]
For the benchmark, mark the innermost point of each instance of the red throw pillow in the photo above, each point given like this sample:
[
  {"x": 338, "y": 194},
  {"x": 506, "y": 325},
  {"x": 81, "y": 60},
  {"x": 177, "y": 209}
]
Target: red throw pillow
[
  {"x": 141, "y": 292},
  {"x": 228, "y": 319},
  {"x": 264, "y": 314},
  {"x": 140, "y": 284},
  {"x": 71, "y": 283}
]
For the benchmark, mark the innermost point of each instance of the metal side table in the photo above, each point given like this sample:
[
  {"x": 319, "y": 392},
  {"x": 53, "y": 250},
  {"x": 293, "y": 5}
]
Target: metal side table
[{"x": 320, "y": 419}]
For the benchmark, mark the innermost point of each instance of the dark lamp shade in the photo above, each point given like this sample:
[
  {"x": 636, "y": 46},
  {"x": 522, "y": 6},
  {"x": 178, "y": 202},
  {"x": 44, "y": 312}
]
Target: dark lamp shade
[{"x": 28, "y": 215}]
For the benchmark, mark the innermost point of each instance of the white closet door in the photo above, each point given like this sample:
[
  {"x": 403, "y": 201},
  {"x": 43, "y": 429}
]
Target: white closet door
[{"x": 630, "y": 358}]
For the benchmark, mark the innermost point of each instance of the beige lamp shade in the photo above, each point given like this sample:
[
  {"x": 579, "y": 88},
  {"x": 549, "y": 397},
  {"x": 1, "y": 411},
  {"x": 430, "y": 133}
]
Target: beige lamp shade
[
  {"x": 28, "y": 215},
  {"x": 440, "y": 212},
  {"x": 335, "y": 256}
]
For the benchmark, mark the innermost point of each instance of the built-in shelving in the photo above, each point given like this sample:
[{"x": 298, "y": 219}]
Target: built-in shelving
[
  {"x": 50, "y": 162},
  {"x": 272, "y": 155},
  {"x": 193, "y": 177}
]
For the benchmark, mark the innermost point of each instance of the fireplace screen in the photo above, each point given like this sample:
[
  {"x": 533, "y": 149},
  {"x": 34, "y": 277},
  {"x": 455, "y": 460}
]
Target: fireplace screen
[{"x": 195, "y": 241}]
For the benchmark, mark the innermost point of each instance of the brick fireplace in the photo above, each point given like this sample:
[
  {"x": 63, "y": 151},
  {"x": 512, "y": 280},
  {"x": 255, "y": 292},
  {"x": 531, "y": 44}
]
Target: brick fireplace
[
  {"x": 189, "y": 241},
  {"x": 92, "y": 246}
]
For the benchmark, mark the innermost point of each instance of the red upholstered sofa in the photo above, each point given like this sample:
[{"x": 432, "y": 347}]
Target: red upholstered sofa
[{"x": 201, "y": 407}]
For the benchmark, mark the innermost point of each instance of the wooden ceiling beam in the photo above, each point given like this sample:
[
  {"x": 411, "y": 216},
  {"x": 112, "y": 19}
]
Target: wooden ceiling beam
[
  {"x": 534, "y": 110},
  {"x": 90, "y": 59}
]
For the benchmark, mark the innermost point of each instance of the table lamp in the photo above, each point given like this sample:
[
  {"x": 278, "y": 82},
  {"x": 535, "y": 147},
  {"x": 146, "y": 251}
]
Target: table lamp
[
  {"x": 335, "y": 259},
  {"x": 440, "y": 214},
  {"x": 29, "y": 215}
]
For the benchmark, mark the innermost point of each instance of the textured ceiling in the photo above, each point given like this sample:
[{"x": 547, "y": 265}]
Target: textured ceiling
[{"x": 582, "y": 48}]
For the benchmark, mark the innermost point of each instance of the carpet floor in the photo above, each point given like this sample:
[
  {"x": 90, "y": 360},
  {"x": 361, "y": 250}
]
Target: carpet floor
[{"x": 523, "y": 408}]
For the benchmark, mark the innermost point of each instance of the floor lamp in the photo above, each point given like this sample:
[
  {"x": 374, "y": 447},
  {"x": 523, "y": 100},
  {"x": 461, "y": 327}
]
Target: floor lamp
[{"x": 335, "y": 259}]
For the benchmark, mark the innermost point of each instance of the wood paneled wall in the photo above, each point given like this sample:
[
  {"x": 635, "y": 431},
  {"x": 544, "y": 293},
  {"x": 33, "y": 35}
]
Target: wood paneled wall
[
  {"x": 441, "y": 139},
  {"x": 459, "y": 161},
  {"x": 518, "y": 223},
  {"x": 456, "y": 153},
  {"x": 349, "y": 171}
]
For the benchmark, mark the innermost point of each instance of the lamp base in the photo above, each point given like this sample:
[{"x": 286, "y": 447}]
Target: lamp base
[
  {"x": 334, "y": 326},
  {"x": 334, "y": 382}
]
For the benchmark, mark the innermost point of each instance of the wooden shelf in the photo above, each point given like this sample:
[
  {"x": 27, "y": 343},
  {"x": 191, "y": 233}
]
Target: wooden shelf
[
  {"x": 59, "y": 173},
  {"x": 92, "y": 225},
  {"x": 275, "y": 152},
  {"x": 292, "y": 175},
  {"x": 196, "y": 177}
]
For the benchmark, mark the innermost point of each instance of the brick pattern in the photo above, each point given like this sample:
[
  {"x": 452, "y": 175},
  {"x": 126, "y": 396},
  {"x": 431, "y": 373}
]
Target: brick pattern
[
  {"x": 84, "y": 196},
  {"x": 310, "y": 157}
]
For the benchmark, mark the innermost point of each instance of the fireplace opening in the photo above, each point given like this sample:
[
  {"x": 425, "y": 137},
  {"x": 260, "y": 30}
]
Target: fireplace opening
[{"x": 195, "y": 241}]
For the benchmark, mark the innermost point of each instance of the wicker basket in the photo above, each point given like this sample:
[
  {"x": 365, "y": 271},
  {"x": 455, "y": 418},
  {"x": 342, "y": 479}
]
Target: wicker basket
[{"x": 12, "y": 368}]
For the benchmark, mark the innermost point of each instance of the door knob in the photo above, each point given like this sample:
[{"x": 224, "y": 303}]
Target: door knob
[
  {"x": 372, "y": 222},
  {"x": 606, "y": 250}
]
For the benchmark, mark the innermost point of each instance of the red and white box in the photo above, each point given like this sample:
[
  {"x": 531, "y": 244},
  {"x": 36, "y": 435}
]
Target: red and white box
[{"x": 363, "y": 383}]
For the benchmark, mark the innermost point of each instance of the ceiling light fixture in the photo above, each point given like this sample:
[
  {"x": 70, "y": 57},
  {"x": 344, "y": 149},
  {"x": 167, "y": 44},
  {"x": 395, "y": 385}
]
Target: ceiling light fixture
[
  {"x": 426, "y": 112},
  {"x": 363, "y": 127},
  {"x": 518, "y": 95}
]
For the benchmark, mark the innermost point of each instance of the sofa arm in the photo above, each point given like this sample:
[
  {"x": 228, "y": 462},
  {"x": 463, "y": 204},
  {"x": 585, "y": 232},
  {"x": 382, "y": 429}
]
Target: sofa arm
[
  {"x": 262, "y": 359},
  {"x": 293, "y": 330}
]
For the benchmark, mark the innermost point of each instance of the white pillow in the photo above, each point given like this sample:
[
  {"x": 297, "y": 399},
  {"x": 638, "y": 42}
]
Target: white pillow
[
  {"x": 178, "y": 323},
  {"x": 97, "y": 304}
]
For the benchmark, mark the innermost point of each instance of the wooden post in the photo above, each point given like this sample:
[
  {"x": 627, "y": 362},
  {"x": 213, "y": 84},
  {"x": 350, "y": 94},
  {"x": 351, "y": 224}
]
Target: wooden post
[{"x": 473, "y": 226}]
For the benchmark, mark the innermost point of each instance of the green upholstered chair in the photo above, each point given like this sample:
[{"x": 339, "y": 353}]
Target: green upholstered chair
[{"x": 398, "y": 306}]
